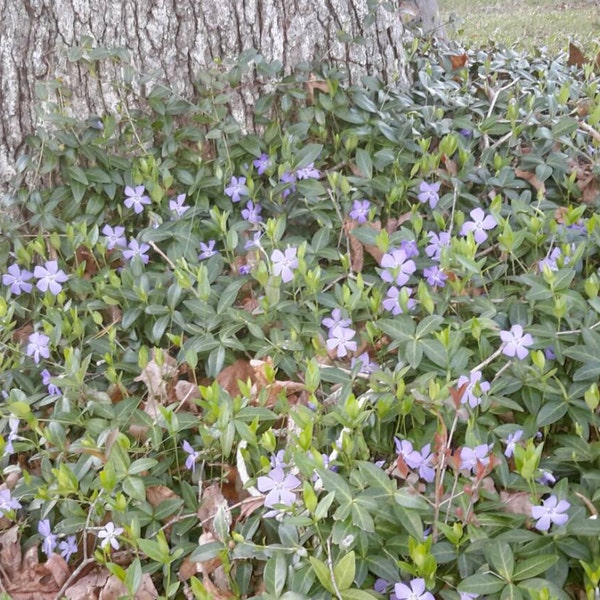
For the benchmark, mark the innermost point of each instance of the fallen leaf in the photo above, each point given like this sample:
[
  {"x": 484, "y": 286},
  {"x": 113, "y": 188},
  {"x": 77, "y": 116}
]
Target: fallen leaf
[
  {"x": 576, "y": 56},
  {"x": 115, "y": 589},
  {"x": 228, "y": 378},
  {"x": 10, "y": 551},
  {"x": 532, "y": 179},
  {"x": 518, "y": 503},
  {"x": 458, "y": 61},
  {"x": 157, "y": 494},
  {"x": 212, "y": 500}
]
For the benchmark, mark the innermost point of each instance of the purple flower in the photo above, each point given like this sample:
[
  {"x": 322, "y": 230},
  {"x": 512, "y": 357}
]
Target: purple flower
[
  {"x": 38, "y": 346},
  {"x": 471, "y": 457},
  {"x": 366, "y": 365},
  {"x": 254, "y": 242},
  {"x": 308, "y": 172},
  {"x": 244, "y": 269},
  {"x": 262, "y": 163},
  {"x": 516, "y": 342},
  {"x": 418, "y": 461},
  {"x": 177, "y": 206},
  {"x": 50, "y": 277},
  {"x": 48, "y": 538},
  {"x": 13, "y": 434},
  {"x": 252, "y": 212},
  {"x": 52, "y": 389},
  {"x": 549, "y": 353},
  {"x": 429, "y": 192},
  {"x": 7, "y": 503},
  {"x": 396, "y": 268},
  {"x": 475, "y": 387},
  {"x": 17, "y": 279},
  {"x": 340, "y": 340},
  {"x": 416, "y": 591},
  {"x": 135, "y": 249},
  {"x": 237, "y": 188},
  {"x": 279, "y": 487},
  {"x": 284, "y": 263},
  {"x": 435, "y": 276},
  {"x": 109, "y": 534},
  {"x": 336, "y": 320},
  {"x": 467, "y": 596},
  {"x": 114, "y": 237},
  {"x": 480, "y": 223},
  {"x": 392, "y": 301},
  {"x": 380, "y": 585},
  {"x": 550, "y": 512},
  {"x": 277, "y": 460},
  {"x": 437, "y": 244},
  {"x": 207, "y": 250},
  {"x": 360, "y": 211},
  {"x": 410, "y": 248},
  {"x": 511, "y": 442},
  {"x": 190, "y": 461},
  {"x": 466, "y": 133},
  {"x": 546, "y": 478},
  {"x": 290, "y": 178},
  {"x": 68, "y": 547},
  {"x": 136, "y": 199}
]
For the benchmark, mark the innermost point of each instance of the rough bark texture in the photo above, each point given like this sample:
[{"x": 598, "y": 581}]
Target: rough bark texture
[{"x": 172, "y": 40}]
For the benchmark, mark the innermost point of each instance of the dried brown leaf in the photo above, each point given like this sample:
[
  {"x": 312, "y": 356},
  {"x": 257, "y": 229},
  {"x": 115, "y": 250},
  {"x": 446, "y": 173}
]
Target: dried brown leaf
[
  {"x": 576, "y": 56},
  {"x": 10, "y": 551},
  {"x": 212, "y": 500},
  {"x": 531, "y": 179},
  {"x": 160, "y": 380},
  {"x": 115, "y": 589},
  {"x": 157, "y": 494},
  {"x": 228, "y": 378},
  {"x": 518, "y": 503}
]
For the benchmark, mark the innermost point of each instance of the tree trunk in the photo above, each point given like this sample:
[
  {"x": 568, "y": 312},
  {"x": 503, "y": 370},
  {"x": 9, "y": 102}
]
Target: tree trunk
[{"x": 169, "y": 42}]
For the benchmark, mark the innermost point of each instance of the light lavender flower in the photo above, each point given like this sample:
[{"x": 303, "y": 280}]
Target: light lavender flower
[
  {"x": 366, "y": 365},
  {"x": 7, "y": 503},
  {"x": 46, "y": 380},
  {"x": 37, "y": 346},
  {"x": 207, "y": 250},
  {"x": 429, "y": 192},
  {"x": 13, "y": 434},
  {"x": 68, "y": 547},
  {"x": 340, "y": 340},
  {"x": 336, "y": 320},
  {"x": 136, "y": 198},
  {"x": 255, "y": 241},
  {"x": 136, "y": 249},
  {"x": 475, "y": 388},
  {"x": 437, "y": 244},
  {"x": 177, "y": 206},
  {"x": 278, "y": 486},
  {"x": 435, "y": 276},
  {"x": 410, "y": 248},
  {"x": 511, "y": 442},
  {"x": 479, "y": 225},
  {"x": 262, "y": 163},
  {"x": 48, "y": 538},
  {"x": 471, "y": 457},
  {"x": 516, "y": 342},
  {"x": 237, "y": 188},
  {"x": 392, "y": 302},
  {"x": 360, "y": 211},
  {"x": 290, "y": 178},
  {"x": 114, "y": 238},
  {"x": 190, "y": 461},
  {"x": 17, "y": 279},
  {"x": 415, "y": 590},
  {"x": 284, "y": 263},
  {"x": 50, "y": 277},
  {"x": 552, "y": 511},
  {"x": 252, "y": 213},
  {"x": 396, "y": 267},
  {"x": 308, "y": 172},
  {"x": 108, "y": 535}
]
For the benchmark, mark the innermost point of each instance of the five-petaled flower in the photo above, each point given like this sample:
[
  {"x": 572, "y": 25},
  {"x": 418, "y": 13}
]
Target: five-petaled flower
[
  {"x": 475, "y": 388},
  {"x": 396, "y": 267},
  {"x": 134, "y": 248},
  {"x": 415, "y": 590},
  {"x": 552, "y": 511},
  {"x": 470, "y": 458},
  {"x": 436, "y": 244},
  {"x": 136, "y": 198},
  {"x": 340, "y": 340},
  {"x": 278, "y": 486},
  {"x": 429, "y": 192},
  {"x": 68, "y": 547},
  {"x": 288, "y": 177},
  {"x": 336, "y": 320},
  {"x": 207, "y": 250},
  {"x": 393, "y": 300},
  {"x": 7, "y": 503},
  {"x": 252, "y": 212},
  {"x": 435, "y": 276},
  {"x": 419, "y": 461},
  {"x": 366, "y": 364},
  {"x": 360, "y": 211},
  {"x": 17, "y": 279},
  {"x": 284, "y": 263},
  {"x": 516, "y": 342},
  {"x": 478, "y": 226},
  {"x": 308, "y": 172},
  {"x": 49, "y": 277},
  {"x": 237, "y": 188},
  {"x": 190, "y": 461},
  {"x": 114, "y": 237},
  {"x": 109, "y": 534},
  {"x": 262, "y": 163},
  {"x": 37, "y": 346}
]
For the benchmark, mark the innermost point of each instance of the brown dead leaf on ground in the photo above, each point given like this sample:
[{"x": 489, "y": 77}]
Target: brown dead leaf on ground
[
  {"x": 157, "y": 494},
  {"x": 212, "y": 501},
  {"x": 517, "y": 503},
  {"x": 160, "y": 380},
  {"x": 531, "y": 179},
  {"x": 185, "y": 393},
  {"x": 228, "y": 378}
]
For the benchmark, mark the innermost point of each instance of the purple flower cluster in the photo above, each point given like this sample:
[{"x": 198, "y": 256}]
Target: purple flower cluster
[{"x": 49, "y": 277}]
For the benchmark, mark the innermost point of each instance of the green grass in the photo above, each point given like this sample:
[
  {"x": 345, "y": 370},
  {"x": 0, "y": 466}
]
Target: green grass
[{"x": 528, "y": 23}]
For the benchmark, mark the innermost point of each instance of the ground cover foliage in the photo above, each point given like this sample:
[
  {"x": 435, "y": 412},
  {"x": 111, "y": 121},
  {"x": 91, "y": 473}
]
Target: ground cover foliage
[{"x": 355, "y": 355}]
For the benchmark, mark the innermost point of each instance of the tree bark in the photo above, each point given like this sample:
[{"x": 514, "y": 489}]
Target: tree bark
[{"x": 169, "y": 42}]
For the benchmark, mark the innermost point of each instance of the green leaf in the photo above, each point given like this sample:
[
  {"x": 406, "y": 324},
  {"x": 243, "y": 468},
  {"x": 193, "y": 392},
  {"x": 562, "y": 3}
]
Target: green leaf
[
  {"x": 344, "y": 571},
  {"x": 336, "y": 483},
  {"x": 323, "y": 574},
  {"x": 408, "y": 499},
  {"x": 411, "y": 521},
  {"x": 566, "y": 126},
  {"x": 500, "y": 557},
  {"x": 511, "y": 592},
  {"x": 357, "y": 595},
  {"x": 375, "y": 476},
  {"x": 307, "y": 155},
  {"x": 275, "y": 574},
  {"x": 589, "y": 371},
  {"x": 362, "y": 519},
  {"x": 551, "y": 412},
  {"x": 364, "y": 163},
  {"x": 428, "y": 325},
  {"x": 413, "y": 352},
  {"x": 481, "y": 584},
  {"x": 532, "y": 567},
  {"x": 207, "y": 551}
]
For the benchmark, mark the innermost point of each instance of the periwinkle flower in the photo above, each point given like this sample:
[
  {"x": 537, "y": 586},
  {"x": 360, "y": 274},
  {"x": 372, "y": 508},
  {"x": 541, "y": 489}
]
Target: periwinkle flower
[
  {"x": 13, "y": 434},
  {"x": 252, "y": 213},
  {"x": 552, "y": 511},
  {"x": 429, "y": 192},
  {"x": 114, "y": 237},
  {"x": 17, "y": 279},
  {"x": 437, "y": 244},
  {"x": 290, "y": 178},
  {"x": 415, "y": 590},
  {"x": 237, "y": 188},
  {"x": 262, "y": 163},
  {"x": 46, "y": 380},
  {"x": 190, "y": 461},
  {"x": 284, "y": 263},
  {"x": 109, "y": 534},
  {"x": 277, "y": 459},
  {"x": 366, "y": 364},
  {"x": 470, "y": 458},
  {"x": 516, "y": 342},
  {"x": 207, "y": 250},
  {"x": 419, "y": 461},
  {"x": 475, "y": 388},
  {"x": 7, "y": 503},
  {"x": 254, "y": 242},
  {"x": 68, "y": 547},
  {"x": 511, "y": 442},
  {"x": 360, "y": 211},
  {"x": 340, "y": 340},
  {"x": 435, "y": 276},
  {"x": 479, "y": 225},
  {"x": 136, "y": 198},
  {"x": 48, "y": 538},
  {"x": 308, "y": 172},
  {"x": 410, "y": 248},
  {"x": 392, "y": 301},
  {"x": 50, "y": 277},
  {"x": 177, "y": 206},
  {"x": 396, "y": 267},
  {"x": 336, "y": 320},
  {"x": 278, "y": 486},
  {"x": 37, "y": 346},
  {"x": 134, "y": 248}
]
